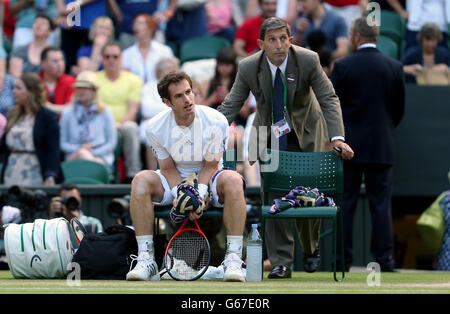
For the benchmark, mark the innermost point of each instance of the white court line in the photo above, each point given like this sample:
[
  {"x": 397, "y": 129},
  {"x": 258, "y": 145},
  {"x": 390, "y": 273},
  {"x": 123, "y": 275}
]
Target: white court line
[{"x": 159, "y": 289}]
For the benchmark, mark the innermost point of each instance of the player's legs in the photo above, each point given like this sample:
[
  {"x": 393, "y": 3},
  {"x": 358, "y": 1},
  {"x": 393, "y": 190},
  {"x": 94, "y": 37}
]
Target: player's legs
[
  {"x": 147, "y": 187},
  {"x": 230, "y": 191}
]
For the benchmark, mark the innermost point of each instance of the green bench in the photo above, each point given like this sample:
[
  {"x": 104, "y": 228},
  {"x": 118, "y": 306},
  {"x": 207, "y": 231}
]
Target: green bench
[{"x": 322, "y": 170}]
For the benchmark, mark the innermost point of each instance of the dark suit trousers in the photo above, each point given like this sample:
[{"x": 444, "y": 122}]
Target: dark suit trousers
[
  {"x": 378, "y": 182},
  {"x": 279, "y": 235}
]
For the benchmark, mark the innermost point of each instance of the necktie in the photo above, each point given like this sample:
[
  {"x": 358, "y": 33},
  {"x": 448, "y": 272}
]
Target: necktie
[{"x": 278, "y": 105}]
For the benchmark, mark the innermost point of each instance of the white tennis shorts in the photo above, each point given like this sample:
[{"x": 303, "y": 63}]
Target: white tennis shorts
[{"x": 168, "y": 198}]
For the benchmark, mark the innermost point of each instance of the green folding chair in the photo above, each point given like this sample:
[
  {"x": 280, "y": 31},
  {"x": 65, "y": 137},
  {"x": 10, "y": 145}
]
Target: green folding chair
[
  {"x": 388, "y": 47},
  {"x": 82, "y": 180},
  {"x": 203, "y": 47},
  {"x": 85, "y": 168},
  {"x": 393, "y": 26},
  {"x": 174, "y": 47},
  {"x": 322, "y": 170}
]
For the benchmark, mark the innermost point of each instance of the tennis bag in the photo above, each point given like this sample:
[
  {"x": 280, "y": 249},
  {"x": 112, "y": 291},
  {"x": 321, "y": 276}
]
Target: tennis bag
[
  {"x": 41, "y": 249},
  {"x": 431, "y": 225},
  {"x": 108, "y": 255}
]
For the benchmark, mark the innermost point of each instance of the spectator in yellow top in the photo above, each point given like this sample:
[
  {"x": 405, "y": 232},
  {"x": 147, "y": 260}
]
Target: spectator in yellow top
[{"x": 120, "y": 90}]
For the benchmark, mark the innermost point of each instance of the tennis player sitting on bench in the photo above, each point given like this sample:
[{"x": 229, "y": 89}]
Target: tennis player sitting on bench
[{"x": 186, "y": 138}]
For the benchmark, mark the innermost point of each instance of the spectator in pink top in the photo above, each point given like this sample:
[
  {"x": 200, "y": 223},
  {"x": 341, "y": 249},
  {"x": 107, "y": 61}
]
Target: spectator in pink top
[
  {"x": 2, "y": 124},
  {"x": 220, "y": 19}
]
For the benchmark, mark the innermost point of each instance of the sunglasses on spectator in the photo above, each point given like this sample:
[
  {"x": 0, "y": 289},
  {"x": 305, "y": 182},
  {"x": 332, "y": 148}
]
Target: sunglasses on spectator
[{"x": 115, "y": 57}]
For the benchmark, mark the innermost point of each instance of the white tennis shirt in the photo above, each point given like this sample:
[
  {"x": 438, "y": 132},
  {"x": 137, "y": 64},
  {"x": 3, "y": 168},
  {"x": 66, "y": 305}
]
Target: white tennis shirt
[{"x": 189, "y": 146}]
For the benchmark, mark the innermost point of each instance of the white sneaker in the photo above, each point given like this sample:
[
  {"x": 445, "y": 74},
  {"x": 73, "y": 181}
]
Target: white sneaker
[
  {"x": 232, "y": 266},
  {"x": 146, "y": 268}
]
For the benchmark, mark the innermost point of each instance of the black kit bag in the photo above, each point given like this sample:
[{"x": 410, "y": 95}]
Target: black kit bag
[{"x": 107, "y": 255}]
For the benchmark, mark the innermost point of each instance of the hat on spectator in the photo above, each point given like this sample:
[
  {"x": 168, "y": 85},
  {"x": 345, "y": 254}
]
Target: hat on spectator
[{"x": 86, "y": 79}]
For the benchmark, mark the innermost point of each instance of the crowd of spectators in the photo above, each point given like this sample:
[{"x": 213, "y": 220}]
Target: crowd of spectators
[{"x": 119, "y": 49}]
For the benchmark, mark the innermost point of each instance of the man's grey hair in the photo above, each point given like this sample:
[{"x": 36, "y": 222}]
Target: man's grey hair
[
  {"x": 273, "y": 23},
  {"x": 368, "y": 33},
  {"x": 164, "y": 63}
]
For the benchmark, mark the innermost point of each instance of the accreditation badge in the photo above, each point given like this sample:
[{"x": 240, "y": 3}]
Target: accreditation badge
[{"x": 281, "y": 128}]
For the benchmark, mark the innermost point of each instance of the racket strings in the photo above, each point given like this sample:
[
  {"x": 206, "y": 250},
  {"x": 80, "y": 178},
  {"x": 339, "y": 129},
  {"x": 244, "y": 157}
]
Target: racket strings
[{"x": 188, "y": 255}]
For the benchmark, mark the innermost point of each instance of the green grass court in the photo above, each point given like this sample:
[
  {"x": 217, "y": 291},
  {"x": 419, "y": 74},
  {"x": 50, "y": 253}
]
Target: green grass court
[{"x": 301, "y": 283}]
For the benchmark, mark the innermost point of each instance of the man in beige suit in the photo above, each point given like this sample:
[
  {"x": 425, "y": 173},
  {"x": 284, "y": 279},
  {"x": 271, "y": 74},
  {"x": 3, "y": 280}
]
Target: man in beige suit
[{"x": 285, "y": 76}]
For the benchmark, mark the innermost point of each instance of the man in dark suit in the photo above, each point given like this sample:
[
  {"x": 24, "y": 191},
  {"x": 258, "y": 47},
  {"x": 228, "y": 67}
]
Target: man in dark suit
[
  {"x": 371, "y": 89},
  {"x": 289, "y": 78}
]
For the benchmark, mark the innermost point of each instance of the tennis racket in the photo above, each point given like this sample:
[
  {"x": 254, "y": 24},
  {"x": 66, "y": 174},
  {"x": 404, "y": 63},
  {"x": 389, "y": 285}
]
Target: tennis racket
[{"x": 188, "y": 254}]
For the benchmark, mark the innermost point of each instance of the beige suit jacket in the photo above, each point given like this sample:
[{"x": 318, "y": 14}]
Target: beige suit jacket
[{"x": 314, "y": 110}]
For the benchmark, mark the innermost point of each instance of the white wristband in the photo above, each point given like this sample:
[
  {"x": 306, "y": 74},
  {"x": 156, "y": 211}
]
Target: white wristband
[
  {"x": 174, "y": 191},
  {"x": 202, "y": 190}
]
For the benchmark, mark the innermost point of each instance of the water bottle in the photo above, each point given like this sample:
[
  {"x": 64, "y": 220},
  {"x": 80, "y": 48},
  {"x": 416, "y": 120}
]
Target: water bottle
[{"x": 254, "y": 255}]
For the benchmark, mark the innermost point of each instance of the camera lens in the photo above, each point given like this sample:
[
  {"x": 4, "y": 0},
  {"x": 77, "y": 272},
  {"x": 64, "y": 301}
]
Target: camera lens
[
  {"x": 117, "y": 208},
  {"x": 15, "y": 190},
  {"x": 28, "y": 200},
  {"x": 71, "y": 203}
]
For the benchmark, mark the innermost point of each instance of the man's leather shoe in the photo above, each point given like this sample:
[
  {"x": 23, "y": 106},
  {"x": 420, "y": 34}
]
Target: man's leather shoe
[
  {"x": 387, "y": 265},
  {"x": 311, "y": 262},
  {"x": 387, "y": 268},
  {"x": 280, "y": 272}
]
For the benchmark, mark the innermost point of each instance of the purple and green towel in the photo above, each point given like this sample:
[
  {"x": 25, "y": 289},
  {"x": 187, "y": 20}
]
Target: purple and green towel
[{"x": 300, "y": 197}]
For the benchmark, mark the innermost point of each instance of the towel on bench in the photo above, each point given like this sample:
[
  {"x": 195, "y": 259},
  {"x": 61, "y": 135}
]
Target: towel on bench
[{"x": 300, "y": 197}]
